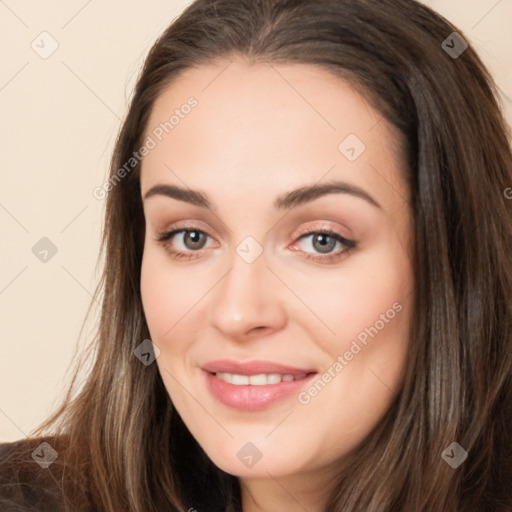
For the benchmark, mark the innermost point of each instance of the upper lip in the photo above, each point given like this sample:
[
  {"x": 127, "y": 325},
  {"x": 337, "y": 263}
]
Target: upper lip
[{"x": 253, "y": 367}]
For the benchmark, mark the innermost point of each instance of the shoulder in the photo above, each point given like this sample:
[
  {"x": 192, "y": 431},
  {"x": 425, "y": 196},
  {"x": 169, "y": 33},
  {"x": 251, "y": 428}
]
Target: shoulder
[{"x": 31, "y": 475}]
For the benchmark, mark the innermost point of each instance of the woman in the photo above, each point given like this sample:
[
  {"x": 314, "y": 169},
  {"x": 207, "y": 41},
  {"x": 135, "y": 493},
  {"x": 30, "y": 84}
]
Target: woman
[{"x": 307, "y": 284}]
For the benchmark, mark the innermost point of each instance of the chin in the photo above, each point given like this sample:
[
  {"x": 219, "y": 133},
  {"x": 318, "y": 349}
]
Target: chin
[{"x": 251, "y": 460}]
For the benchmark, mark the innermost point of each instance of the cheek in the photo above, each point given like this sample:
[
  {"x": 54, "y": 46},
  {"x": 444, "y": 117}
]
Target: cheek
[
  {"x": 368, "y": 295},
  {"x": 167, "y": 292},
  {"x": 174, "y": 298},
  {"x": 167, "y": 300},
  {"x": 157, "y": 294}
]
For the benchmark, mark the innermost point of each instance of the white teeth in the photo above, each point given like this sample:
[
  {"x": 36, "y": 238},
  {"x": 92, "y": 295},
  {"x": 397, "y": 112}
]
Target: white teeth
[
  {"x": 273, "y": 378},
  {"x": 228, "y": 377},
  {"x": 239, "y": 379},
  {"x": 257, "y": 380}
]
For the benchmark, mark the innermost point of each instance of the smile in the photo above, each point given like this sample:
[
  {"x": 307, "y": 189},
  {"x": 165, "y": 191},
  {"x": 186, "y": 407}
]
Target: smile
[{"x": 255, "y": 392}]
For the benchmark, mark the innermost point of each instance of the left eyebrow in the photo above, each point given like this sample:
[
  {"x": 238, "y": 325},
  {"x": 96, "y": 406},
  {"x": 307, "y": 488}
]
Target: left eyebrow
[
  {"x": 286, "y": 201},
  {"x": 309, "y": 193}
]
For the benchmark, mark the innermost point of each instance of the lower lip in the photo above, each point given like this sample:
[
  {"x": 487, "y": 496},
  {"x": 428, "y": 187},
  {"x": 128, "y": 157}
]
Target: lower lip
[{"x": 253, "y": 398}]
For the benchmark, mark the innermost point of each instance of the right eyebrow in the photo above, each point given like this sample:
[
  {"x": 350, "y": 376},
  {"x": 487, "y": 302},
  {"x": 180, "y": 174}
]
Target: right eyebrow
[{"x": 309, "y": 193}]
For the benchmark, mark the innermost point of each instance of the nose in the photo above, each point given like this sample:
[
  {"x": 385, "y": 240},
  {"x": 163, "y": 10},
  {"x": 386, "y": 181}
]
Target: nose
[{"x": 247, "y": 301}]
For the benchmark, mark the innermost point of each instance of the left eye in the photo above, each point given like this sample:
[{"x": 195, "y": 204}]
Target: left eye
[{"x": 325, "y": 242}]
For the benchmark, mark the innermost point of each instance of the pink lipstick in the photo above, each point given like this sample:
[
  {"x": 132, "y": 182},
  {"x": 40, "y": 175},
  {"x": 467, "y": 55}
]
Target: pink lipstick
[{"x": 254, "y": 385}]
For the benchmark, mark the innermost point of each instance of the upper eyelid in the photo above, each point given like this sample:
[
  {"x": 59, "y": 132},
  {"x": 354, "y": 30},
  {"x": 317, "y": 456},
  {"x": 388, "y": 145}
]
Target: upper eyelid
[
  {"x": 306, "y": 232},
  {"x": 196, "y": 225}
]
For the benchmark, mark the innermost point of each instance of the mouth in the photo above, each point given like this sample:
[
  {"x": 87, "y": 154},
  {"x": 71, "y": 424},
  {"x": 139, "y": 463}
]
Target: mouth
[{"x": 254, "y": 385}]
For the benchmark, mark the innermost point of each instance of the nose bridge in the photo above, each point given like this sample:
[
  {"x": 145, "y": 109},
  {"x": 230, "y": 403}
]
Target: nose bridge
[{"x": 247, "y": 296}]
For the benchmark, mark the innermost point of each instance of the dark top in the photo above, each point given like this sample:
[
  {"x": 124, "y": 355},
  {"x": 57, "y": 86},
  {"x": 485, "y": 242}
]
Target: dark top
[
  {"x": 33, "y": 475},
  {"x": 30, "y": 475}
]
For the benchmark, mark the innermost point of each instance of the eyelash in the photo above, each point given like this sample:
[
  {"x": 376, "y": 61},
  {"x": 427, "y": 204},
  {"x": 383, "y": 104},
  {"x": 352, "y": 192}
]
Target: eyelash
[{"x": 164, "y": 236}]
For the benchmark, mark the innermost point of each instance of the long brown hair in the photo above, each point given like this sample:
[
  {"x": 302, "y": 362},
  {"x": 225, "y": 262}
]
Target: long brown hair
[{"x": 125, "y": 440}]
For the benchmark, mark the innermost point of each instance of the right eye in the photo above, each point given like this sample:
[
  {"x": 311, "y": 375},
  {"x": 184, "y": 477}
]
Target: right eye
[{"x": 192, "y": 239}]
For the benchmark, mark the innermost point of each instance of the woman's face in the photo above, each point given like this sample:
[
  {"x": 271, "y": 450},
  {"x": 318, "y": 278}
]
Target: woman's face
[{"x": 275, "y": 155}]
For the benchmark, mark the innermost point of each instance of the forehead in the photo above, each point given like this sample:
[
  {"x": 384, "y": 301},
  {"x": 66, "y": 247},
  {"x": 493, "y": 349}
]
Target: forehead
[{"x": 266, "y": 126}]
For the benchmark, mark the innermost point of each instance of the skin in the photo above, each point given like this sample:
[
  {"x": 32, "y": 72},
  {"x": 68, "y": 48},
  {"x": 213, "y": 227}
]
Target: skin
[{"x": 259, "y": 131}]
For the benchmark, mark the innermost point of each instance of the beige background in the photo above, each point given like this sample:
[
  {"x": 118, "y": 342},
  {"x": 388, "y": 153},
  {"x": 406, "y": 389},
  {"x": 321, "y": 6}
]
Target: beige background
[{"x": 59, "y": 119}]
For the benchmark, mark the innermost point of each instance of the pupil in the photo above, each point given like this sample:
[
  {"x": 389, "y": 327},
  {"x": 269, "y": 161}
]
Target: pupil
[
  {"x": 194, "y": 237},
  {"x": 324, "y": 244}
]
